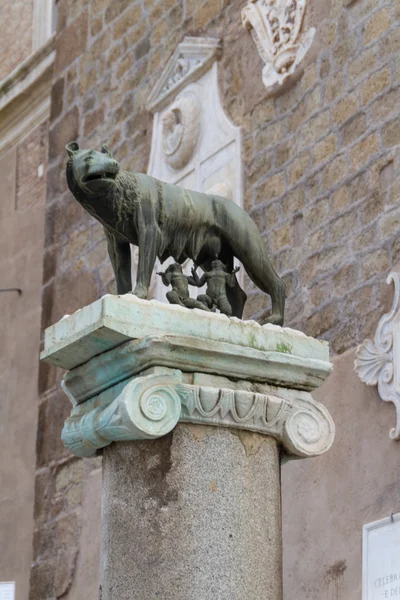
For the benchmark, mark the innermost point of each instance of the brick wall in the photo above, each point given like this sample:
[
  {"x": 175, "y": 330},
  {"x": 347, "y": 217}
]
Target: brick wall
[
  {"x": 22, "y": 200},
  {"x": 15, "y": 34},
  {"x": 320, "y": 163},
  {"x": 328, "y": 202}
]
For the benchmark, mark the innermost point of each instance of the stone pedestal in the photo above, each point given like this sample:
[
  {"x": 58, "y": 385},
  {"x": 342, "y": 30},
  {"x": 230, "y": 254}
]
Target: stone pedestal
[{"x": 194, "y": 412}]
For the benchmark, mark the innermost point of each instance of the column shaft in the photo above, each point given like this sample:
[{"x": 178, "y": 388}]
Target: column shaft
[{"x": 194, "y": 515}]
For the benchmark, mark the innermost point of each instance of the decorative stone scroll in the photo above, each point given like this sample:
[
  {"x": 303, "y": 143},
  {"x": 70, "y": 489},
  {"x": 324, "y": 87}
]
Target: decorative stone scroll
[
  {"x": 378, "y": 362},
  {"x": 276, "y": 27},
  {"x": 149, "y": 406},
  {"x": 143, "y": 408}
]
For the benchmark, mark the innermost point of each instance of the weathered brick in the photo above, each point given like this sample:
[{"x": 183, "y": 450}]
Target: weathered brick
[
  {"x": 273, "y": 187},
  {"x": 345, "y": 108},
  {"x": 322, "y": 321},
  {"x": 316, "y": 214},
  {"x": 354, "y": 128},
  {"x": 282, "y": 237},
  {"x": 334, "y": 172},
  {"x": 310, "y": 77},
  {"x": 259, "y": 167},
  {"x": 390, "y": 44},
  {"x": 385, "y": 106},
  {"x": 366, "y": 239},
  {"x": 71, "y": 43},
  {"x": 371, "y": 209},
  {"x": 390, "y": 223},
  {"x": 115, "y": 8},
  {"x": 375, "y": 85},
  {"x": 391, "y": 133},
  {"x": 334, "y": 87},
  {"x": 129, "y": 19},
  {"x": 297, "y": 169},
  {"x": 376, "y": 25},
  {"x": 324, "y": 149},
  {"x": 93, "y": 120},
  {"x": 363, "y": 151},
  {"x": 314, "y": 129},
  {"x": 374, "y": 263},
  {"x": 263, "y": 113},
  {"x": 57, "y": 98},
  {"x": 344, "y": 51},
  {"x": 284, "y": 152},
  {"x": 64, "y": 131},
  {"x": 294, "y": 201},
  {"x": 270, "y": 135},
  {"x": 206, "y": 13},
  {"x": 343, "y": 226},
  {"x": 363, "y": 64}
]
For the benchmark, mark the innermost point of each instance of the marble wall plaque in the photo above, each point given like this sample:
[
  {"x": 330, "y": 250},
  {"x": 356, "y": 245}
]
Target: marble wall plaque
[
  {"x": 7, "y": 590},
  {"x": 381, "y": 559}
]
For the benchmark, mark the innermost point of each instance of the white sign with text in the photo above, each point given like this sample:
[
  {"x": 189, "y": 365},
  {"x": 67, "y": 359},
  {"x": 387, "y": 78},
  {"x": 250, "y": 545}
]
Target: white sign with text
[
  {"x": 381, "y": 559},
  {"x": 7, "y": 590}
]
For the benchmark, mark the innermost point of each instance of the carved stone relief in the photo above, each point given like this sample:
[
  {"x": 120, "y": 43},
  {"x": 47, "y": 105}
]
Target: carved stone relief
[
  {"x": 180, "y": 130},
  {"x": 276, "y": 27},
  {"x": 378, "y": 362}
]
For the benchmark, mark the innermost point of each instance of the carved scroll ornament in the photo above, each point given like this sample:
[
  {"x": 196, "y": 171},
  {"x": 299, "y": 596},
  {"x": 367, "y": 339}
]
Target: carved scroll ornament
[
  {"x": 150, "y": 406},
  {"x": 276, "y": 27},
  {"x": 377, "y": 362}
]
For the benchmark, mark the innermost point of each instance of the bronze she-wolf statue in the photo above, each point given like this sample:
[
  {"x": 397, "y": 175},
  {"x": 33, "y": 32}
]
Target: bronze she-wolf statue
[{"x": 164, "y": 221}]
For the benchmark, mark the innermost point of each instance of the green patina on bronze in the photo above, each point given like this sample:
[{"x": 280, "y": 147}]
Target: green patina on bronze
[{"x": 164, "y": 221}]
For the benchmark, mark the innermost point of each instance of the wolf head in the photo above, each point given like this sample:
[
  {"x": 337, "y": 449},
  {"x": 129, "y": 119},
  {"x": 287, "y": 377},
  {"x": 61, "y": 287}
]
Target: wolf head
[{"x": 89, "y": 170}]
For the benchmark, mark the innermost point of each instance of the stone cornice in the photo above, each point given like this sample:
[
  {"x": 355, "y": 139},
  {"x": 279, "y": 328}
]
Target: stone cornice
[
  {"x": 115, "y": 320},
  {"x": 29, "y": 71},
  {"x": 25, "y": 96}
]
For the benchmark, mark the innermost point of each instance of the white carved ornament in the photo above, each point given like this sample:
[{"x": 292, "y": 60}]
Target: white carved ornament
[
  {"x": 275, "y": 26},
  {"x": 377, "y": 362},
  {"x": 180, "y": 130}
]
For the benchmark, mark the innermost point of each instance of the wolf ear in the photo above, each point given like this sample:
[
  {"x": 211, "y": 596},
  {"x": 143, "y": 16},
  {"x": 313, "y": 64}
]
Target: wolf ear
[
  {"x": 105, "y": 150},
  {"x": 71, "y": 148}
]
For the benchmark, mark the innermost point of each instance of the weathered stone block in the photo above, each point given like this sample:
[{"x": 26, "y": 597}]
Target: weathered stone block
[
  {"x": 345, "y": 108},
  {"x": 362, "y": 153},
  {"x": 65, "y": 130},
  {"x": 324, "y": 149},
  {"x": 374, "y": 263},
  {"x": 71, "y": 43},
  {"x": 376, "y": 25},
  {"x": 375, "y": 85},
  {"x": 391, "y": 133},
  {"x": 354, "y": 128}
]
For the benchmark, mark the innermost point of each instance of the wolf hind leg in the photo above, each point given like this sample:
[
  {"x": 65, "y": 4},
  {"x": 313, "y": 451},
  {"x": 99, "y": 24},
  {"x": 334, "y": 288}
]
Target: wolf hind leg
[{"x": 269, "y": 282}]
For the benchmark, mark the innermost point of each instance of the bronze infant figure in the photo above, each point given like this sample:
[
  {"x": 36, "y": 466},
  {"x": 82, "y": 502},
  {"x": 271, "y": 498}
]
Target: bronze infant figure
[{"x": 164, "y": 221}]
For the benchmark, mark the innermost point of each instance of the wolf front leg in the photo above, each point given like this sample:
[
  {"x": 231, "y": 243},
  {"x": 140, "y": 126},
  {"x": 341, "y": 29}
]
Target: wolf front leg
[
  {"x": 148, "y": 243},
  {"x": 120, "y": 256}
]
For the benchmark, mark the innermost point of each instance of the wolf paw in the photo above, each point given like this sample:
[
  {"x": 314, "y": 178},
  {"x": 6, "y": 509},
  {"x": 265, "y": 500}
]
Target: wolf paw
[{"x": 140, "y": 292}]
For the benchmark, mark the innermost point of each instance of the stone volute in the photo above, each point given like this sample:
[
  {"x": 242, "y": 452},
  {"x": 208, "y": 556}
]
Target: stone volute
[{"x": 193, "y": 411}]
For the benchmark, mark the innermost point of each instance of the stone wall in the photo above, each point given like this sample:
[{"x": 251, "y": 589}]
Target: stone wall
[
  {"x": 15, "y": 34},
  {"x": 22, "y": 194},
  {"x": 320, "y": 160}
]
